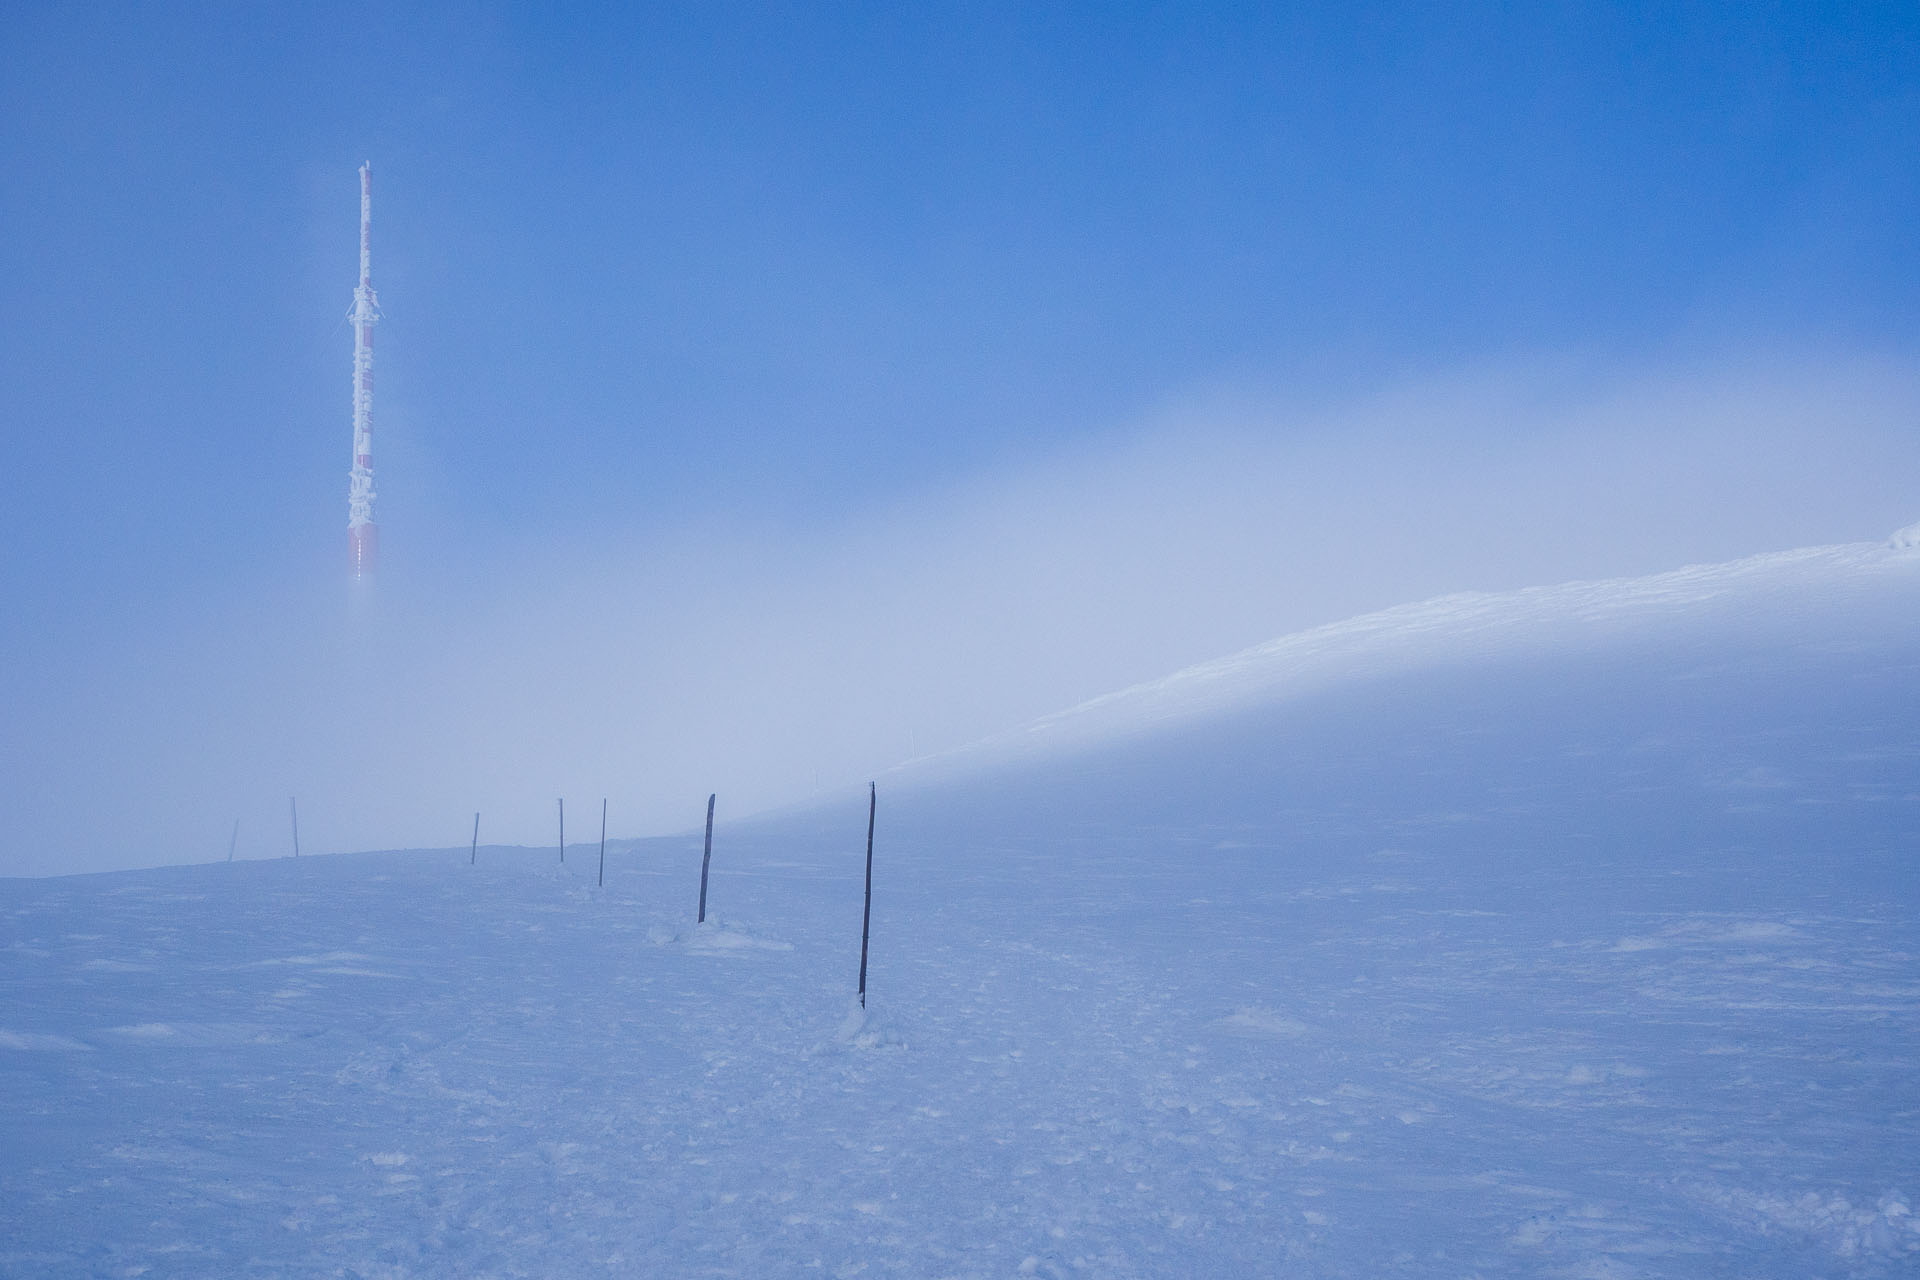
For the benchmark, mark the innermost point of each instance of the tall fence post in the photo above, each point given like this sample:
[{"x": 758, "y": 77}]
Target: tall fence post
[
  {"x": 474, "y": 856},
  {"x": 706, "y": 859},
  {"x": 603, "y": 840},
  {"x": 563, "y": 828},
  {"x": 293, "y": 811},
  {"x": 866, "y": 916}
]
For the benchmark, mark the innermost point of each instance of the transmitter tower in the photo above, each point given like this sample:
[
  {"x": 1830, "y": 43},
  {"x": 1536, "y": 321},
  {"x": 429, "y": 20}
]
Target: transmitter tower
[{"x": 363, "y": 536}]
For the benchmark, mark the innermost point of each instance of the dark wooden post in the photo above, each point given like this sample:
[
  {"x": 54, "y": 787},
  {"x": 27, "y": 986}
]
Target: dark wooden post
[
  {"x": 475, "y": 855},
  {"x": 706, "y": 858},
  {"x": 866, "y": 916},
  {"x": 603, "y": 840}
]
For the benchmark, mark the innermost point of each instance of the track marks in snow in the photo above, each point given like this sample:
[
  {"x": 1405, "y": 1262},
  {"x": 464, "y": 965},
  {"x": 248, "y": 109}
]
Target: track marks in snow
[
  {"x": 192, "y": 1035},
  {"x": 712, "y": 937},
  {"x": 41, "y": 1042},
  {"x": 1265, "y": 1022}
]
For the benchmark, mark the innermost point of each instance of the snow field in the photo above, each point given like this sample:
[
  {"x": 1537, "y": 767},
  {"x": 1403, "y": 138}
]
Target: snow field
[{"x": 1589, "y": 960}]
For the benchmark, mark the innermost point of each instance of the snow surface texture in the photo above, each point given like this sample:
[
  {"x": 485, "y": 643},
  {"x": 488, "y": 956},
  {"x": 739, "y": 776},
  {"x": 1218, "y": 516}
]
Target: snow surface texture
[{"x": 1565, "y": 933}]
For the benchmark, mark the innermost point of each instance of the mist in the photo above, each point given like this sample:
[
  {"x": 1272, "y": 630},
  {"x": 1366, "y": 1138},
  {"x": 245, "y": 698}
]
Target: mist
[{"x": 775, "y": 660}]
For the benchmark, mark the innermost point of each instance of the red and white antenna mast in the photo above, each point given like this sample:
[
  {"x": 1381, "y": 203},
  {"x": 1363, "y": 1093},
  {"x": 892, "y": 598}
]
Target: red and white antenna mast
[{"x": 363, "y": 535}]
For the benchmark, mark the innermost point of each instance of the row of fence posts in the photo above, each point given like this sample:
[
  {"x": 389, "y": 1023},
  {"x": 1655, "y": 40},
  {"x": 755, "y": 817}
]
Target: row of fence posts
[{"x": 706, "y": 860}]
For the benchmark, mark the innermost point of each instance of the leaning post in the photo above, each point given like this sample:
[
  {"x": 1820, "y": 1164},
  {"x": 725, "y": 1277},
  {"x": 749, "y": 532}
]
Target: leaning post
[
  {"x": 866, "y": 916},
  {"x": 705, "y": 859}
]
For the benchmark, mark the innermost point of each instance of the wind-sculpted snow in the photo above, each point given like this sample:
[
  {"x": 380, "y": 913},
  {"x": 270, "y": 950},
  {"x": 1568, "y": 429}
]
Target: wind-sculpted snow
[
  {"x": 1575, "y": 933},
  {"x": 1574, "y": 615}
]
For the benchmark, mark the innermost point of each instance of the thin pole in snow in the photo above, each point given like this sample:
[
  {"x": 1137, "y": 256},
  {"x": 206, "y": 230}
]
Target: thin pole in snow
[
  {"x": 705, "y": 859},
  {"x": 563, "y": 829},
  {"x": 293, "y": 811},
  {"x": 235, "y": 841},
  {"x": 866, "y": 916},
  {"x": 474, "y": 856},
  {"x": 603, "y": 840}
]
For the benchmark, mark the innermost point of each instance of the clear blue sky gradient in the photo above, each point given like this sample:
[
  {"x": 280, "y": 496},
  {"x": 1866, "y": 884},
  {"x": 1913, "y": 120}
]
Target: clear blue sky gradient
[
  {"x": 652, "y": 257},
  {"x": 649, "y": 264}
]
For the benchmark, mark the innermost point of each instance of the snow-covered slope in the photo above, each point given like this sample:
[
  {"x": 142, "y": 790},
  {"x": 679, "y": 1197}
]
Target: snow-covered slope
[
  {"x": 1569, "y": 932},
  {"x": 1776, "y": 592}
]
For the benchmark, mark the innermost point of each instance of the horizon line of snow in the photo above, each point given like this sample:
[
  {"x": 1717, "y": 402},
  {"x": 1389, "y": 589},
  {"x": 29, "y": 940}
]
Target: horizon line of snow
[{"x": 1313, "y": 657}]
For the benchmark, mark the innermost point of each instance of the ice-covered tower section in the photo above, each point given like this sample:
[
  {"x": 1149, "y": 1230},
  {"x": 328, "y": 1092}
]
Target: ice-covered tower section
[{"x": 362, "y": 534}]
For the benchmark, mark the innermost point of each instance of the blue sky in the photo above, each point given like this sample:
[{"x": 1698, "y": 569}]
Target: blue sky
[{"x": 709, "y": 283}]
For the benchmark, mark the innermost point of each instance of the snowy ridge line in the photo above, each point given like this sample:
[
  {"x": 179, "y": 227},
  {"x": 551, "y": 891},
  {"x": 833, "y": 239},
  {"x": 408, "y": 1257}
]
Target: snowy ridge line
[{"x": 1430, "y": 631}]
